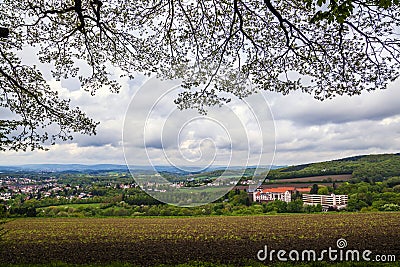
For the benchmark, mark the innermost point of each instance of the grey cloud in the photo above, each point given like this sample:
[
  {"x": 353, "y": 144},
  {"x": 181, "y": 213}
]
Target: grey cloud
[
  {"x": 104, "y": 136},
  {"x": 157, "y": 144},
  {"x": 303, "y": 109},
  {"x": 73, "y": 84},
  {"x": 358, "y": 137}
]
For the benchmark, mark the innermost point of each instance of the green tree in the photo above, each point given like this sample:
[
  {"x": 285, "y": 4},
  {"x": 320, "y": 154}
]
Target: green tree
[
  {"x": 355, "y": 204},
  {"x": 312, "y": 208},
  {"x": 277, "y": 205},
  {"x": 323, "y": 190},
  {"x": 331, "y": 47},
  {"x": 295, "y": 206},
  {"x": 393, "y": 181},
  {"x": 314, "y": 189},
  {"x": 241, "y": 198},
  {"x": 3, "y": 211},
  {"x": 396, "y": 188},
  {"x": 281, "y": 206},
  {"x": 390, "y": 207}
]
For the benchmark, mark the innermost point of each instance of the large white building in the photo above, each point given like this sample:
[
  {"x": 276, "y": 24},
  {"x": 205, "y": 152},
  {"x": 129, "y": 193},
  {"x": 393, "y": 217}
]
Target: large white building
[
  {"x": 272, "y": 194},
  {"x": 326, "y": 201}
]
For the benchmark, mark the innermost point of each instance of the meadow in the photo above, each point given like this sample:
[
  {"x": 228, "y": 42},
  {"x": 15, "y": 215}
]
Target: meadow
[{"x": 167, "y": 240}]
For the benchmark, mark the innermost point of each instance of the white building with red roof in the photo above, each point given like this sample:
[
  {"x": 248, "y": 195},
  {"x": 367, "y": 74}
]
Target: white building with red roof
[{"x": 272, "y": 194}]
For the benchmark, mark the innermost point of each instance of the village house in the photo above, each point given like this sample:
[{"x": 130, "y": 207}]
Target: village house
[{"x": 5, "y": 196}]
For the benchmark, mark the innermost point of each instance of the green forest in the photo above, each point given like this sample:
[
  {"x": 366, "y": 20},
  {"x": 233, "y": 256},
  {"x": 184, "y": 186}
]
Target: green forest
[
  {"x": 374, "y": 186},
  {"x": 368, "y": 168}
]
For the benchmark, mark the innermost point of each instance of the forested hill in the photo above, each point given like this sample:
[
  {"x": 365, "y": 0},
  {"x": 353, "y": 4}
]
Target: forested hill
[{"x": 371, "y": 168}]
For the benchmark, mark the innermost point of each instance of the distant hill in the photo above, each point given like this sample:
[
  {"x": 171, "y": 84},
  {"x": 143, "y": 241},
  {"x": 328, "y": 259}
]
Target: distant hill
[
  {"x": 372, "y": 168},
  {"x": 82, "y": 168},
  {"x": 63, "y": 167}
]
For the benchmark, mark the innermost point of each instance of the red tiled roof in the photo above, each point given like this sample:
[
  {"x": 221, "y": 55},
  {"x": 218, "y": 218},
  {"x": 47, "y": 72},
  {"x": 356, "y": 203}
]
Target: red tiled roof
[
  {"x": 303, "y": 189},
  {"x": 278, "y": 190}
]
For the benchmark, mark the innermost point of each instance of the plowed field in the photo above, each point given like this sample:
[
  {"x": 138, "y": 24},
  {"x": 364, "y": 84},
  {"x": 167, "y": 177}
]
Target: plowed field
[{"x": 149, "y": 241}]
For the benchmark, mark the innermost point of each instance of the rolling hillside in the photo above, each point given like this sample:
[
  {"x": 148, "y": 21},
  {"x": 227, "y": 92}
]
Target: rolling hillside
[{"x": 372, "y": 168}]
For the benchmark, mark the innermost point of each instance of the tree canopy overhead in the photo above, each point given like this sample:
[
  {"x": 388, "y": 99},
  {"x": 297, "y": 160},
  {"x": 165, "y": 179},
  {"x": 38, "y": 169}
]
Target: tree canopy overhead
[{"x": 323, "y": 47}]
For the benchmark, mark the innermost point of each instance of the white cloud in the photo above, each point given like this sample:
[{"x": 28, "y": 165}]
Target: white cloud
[
  {"x": 303, "y": 109},
  {"x": 307, "y": 130},
  {"x": 65, "y": 153}
]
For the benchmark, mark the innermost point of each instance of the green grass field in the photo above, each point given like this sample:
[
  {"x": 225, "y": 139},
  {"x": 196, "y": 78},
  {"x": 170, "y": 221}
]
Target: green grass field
[{"x": 76, "y": 206}]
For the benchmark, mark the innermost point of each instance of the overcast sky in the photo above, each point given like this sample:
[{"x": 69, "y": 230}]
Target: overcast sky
[{"x": 306, "y": 130}]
